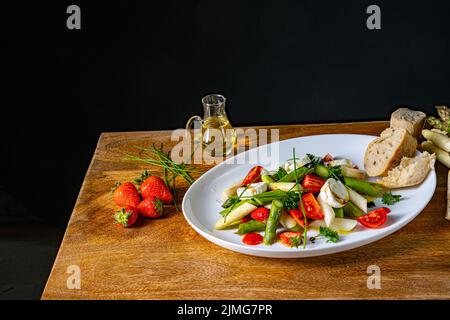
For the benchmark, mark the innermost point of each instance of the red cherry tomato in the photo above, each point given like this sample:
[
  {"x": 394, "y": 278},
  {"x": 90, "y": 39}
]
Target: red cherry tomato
[
  {"x": 260, "y": 214},
  {"x": 313, "y": 183},
  {"x": 254, "y": 175},
  {"x": 312, "y": 208},
  {"x": 252, "y": 239},
  {"x": 286, "y": 237},
  {"x": 297, "y": 214},
  {"x": 245, "y": 219},
  {"x": 375, "y": 218},
  {"x": 383, "y": 209}
]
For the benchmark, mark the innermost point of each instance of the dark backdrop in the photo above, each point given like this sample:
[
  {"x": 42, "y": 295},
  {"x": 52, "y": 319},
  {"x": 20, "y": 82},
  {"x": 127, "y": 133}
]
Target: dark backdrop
[{"x": 146, "y": 65}]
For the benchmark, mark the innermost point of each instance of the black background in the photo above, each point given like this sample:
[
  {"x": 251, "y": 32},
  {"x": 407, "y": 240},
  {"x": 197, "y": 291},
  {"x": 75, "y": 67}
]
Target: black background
[{"x": 146, "y": 65}]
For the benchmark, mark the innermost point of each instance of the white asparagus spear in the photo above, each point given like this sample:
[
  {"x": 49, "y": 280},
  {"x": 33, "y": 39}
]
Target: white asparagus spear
[
  {"x": 231, "y": 191},
  {"x": 440, "y": 140},
  {"x": 442, "y": 156},
  {"x": 235, "y": 214},
  {"x": 286, "y": 220}
]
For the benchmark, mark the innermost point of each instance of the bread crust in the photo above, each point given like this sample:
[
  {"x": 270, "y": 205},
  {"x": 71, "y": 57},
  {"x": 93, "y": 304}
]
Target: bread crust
[
  {"x": 411, "y": 171},
  {"x": 408, "y": 119},
  {"x": 406, "y": 148}
]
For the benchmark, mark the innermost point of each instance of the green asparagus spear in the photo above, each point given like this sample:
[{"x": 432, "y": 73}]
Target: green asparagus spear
[
  {"x": 339, "y": 212},
  {"x": 322, "y": 171},
  {"x": 272, "y": 222},
  {"x": 364, "y": 187},
  {"x": 298, "y": 173},
  {"x": 352, "y": 211},
  {"x": 251, "y": 226},
  {"x": 268, "y": 196},
  {"x": 267, "y": 179}
]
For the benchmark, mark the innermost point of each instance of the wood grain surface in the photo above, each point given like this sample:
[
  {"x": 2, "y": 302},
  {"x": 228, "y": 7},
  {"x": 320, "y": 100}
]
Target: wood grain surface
[{"x": 167, "y": 259}]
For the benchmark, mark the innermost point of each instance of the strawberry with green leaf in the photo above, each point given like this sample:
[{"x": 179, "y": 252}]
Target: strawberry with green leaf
[
  {"x": 154, "y": 186},
  {"x": 150, "y": 207},
  {"x": 126, "y": 217}
]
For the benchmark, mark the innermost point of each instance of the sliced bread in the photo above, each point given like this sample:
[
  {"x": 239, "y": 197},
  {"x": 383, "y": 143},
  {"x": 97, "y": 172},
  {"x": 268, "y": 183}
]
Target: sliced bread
[
  {"x": 386, "y": 152},
  {"x": 410, "y": 171},
  {"x": 408, "y": 119}
]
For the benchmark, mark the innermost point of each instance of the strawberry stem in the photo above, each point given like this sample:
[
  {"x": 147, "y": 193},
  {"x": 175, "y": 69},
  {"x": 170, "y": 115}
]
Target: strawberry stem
[{"x": 171, "y": 169}]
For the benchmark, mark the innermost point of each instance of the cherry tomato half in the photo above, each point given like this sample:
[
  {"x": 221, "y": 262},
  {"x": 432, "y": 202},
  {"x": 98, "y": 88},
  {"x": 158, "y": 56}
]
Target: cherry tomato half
[
  {"x": 260, "y": 214},
  {"x": 297, "y": 214},
  {"x": 252, "y": 239},
  {"x": 287, "y": 237},
  {"x": 383, "y": 209},
  {"x": 312, "y": 207},
  {"x": 375, "y": 218},
  {"x": 313, "y": 183},
  {"x": 254, "y": 175},
  {"x": 245, "y": 219}
]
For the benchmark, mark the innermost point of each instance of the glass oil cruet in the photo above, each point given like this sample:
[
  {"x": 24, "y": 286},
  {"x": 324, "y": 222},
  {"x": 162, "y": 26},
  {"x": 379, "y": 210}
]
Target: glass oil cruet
[{"x": 214, "y": 118}]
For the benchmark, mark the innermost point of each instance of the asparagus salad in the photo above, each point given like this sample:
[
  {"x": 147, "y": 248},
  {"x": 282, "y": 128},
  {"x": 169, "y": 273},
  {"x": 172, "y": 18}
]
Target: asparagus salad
[{"x": 307, "y": 199}]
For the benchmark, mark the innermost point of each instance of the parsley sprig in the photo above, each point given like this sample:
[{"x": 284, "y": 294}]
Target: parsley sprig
[
  {"x": 390, "y": 199},
  {"x": 290, "y": 201},
  {"x": 328, "y": 233},
  {"x": 281, "y": 172}
]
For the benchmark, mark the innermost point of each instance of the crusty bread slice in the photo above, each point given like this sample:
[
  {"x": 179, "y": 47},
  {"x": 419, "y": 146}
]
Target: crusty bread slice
[
  {"x": 385, "y": 152},
  {"x": 408, "y": 119},
  {"x": 410, "y": 171}
]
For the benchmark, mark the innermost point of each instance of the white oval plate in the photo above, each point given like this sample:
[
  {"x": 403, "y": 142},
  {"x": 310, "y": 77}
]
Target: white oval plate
[{"x": 201, "y": 204}]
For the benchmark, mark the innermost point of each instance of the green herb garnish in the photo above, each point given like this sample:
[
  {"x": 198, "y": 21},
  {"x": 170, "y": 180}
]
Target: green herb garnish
[
  {"x": 328, "y": 233},
  {"x": 144, "y": 175},
  {"x": 157, "y": 157},
  {"x": 336, "y": 173},
  {"x": 230, "y": 202},
  {"x": 290, "y": 201},
  {"x": 295, "y": 241},
  {"x": 314, "y": 160},
  {"x": 390, "y": 199},
  {"x": 281, "y": 172}
]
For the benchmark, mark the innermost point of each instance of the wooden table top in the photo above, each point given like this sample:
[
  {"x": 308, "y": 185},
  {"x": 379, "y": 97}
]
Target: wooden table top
[{"x": 167, "y": 259}]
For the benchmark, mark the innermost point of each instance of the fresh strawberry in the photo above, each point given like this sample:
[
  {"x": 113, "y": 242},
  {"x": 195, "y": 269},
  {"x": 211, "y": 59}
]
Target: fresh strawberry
[
  {"x": 155, "y": 186},
  {"x": 252, "y": 239},
  {"x": 260, "y": 214},
  {"x": 126, "y": 217},
  {"x": 150, "y": 207},
  {"x": 290, "y": 238},
  {"x": 126, "y": 194}
]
